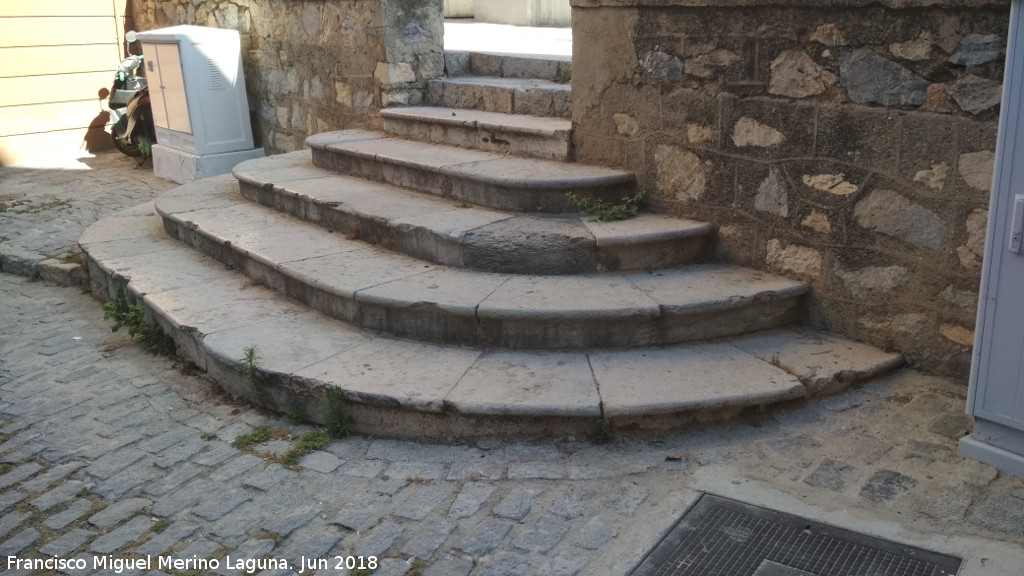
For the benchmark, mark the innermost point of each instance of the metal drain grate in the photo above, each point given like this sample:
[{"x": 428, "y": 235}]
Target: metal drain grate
[{"x": 722, "y": 537}]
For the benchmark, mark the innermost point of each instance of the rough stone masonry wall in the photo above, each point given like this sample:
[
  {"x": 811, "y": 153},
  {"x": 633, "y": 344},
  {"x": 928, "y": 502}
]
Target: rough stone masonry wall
[
  {"x": 847, "y": 143},
  {"x": 318, "y": 65}
]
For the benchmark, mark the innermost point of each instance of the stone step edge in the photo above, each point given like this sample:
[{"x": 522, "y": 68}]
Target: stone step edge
[
  {"x": 439, "y": 304},
  {"x": 473, "y": 176},
  {"x": 514, "y": 134},
  {"x": 130, "y": 237},
  {"x": 610, "y": 247},
  {"x": 482, "y": 63},
  {"x": 536, "y": 97},
  {"x": 512, "y": 123}
]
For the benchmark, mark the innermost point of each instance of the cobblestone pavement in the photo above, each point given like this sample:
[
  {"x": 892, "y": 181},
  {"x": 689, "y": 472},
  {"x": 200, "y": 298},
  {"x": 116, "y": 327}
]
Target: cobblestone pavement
[
  {"x": 109, "y": 453},
  {"x": 44, "y": 208}
]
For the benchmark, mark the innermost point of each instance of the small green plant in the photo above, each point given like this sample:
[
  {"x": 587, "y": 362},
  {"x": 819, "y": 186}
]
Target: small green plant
[
  {"x": 337, "y": 423},
  {"x": 775, "y": 361},
  {"x": 249, "y": 366},
  {"x": 564, "y": 75},
  {"x": 160, "y": 525},
  {"x": 306, "y": 443},
  {"x": 5, "y": 468},
  {"x": 207, "y": 436},
  {"x": 294, "y": 413},
  {"x": 126, "y": 313},
  {"x": 417, "y": 567},
  {"x": 363, "y": 571},
  {"x": 123, "y": 312},
  {"x": 605, "y": 432},
  {"x": 247, "y": 441},
  {"x": 606, "y": 211}
]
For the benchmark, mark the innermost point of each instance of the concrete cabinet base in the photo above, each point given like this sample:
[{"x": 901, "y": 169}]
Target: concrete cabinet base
[
  {"x": 995, "y": 445},
  {"x": 180, "y": 166}
]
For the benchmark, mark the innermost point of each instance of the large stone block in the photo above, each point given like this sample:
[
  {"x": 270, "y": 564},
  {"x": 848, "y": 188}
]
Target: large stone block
[
  {"x": 894, "y": 215},
  {"x": 798, "y": 261},
  {"x": 681, "y": 174},
  {"x": 871, "y": 79},
  {"x": 795, "y": 74}
]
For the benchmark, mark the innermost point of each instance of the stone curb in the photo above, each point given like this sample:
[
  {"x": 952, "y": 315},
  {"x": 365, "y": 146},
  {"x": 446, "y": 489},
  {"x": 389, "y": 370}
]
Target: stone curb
[
  {"x": 49, "y": 269},
  {"x": 475, "y": 238}
]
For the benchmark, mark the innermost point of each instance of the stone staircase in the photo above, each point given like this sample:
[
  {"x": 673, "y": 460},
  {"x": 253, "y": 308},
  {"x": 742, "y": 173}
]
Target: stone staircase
[{"x": 435, "y": 277}]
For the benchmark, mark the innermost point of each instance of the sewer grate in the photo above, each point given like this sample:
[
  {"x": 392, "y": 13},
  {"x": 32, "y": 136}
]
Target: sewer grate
[{"x": 723, "y": 537}]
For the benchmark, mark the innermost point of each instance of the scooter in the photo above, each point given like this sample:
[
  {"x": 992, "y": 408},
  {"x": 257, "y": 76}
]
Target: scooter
[{"x": 130, "y": 113}]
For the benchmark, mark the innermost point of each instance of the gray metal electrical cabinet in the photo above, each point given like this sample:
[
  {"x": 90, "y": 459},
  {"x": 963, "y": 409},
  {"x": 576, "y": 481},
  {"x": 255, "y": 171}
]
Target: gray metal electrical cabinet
[
  {"x": 996, "y": 394},
  {"x": 200, "y": 110}
]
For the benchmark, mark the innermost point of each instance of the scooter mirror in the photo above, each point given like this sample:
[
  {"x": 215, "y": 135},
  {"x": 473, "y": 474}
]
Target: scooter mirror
[{"x": 130, "y": 36}]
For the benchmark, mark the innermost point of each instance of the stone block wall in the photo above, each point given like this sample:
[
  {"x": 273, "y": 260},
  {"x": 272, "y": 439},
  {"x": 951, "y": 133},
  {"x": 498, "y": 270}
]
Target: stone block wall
[
  {"x": 848, "y": 143},
  {"x": 318, "y": 65}
]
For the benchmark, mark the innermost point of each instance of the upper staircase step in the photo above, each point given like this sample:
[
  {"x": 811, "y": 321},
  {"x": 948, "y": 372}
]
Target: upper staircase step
[
  {"x": 517, "y": 134},
  {"x": 531, "y": 96},
  {"x": 400, "y": 388},
  {"x": 441, "y": 232},
  {"x": 393, "y": 293},
  {"x": 503, "y": 65},
  {"x": 475, "y": 176}
]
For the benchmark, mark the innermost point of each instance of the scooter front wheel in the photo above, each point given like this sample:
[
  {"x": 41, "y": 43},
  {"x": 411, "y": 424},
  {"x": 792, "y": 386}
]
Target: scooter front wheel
[{"x": 126, "y": 148}]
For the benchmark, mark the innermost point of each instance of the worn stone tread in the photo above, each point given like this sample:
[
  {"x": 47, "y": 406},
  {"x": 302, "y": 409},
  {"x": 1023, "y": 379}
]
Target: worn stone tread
[
  {"x": 480, "y": 177},
  {"x": 403, "y": 296},
  {"x": 518, "y": 134},
  {"x": 402, "y": 388},
  {"x": 436, "y": 230}
]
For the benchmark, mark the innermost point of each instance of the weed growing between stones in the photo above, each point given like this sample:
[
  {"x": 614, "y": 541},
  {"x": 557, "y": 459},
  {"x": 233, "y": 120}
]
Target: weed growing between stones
[
  {"x": 294, "y": 413},
  {"x": 29, "y": 208},
  {"x": 564, "y": 75},
  {"x": 160, "y": 525},
  {"x": 417, "y": 567},
  {"x": 336, "y": 421},
  {"x": 258, "y": 436},
  {"x": 249, "y": 366},
  {"x": 5, "y": 468},
  {"x": 125, "y": 312},
  {"x": 605, "y": 211},
  {"x": 306, "y": 443},
  {"x": 605, "y": 432}
]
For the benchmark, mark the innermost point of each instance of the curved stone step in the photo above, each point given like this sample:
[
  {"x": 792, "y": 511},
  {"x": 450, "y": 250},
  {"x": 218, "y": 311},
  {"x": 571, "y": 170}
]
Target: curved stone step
[
  {"x": 474, "y": 176},
  {"x": 483, "y": 239},
  {"x": 517, "y": 134},
  {"x": 535, "y": 97},
  {"x": 400, "y": 388},
  {"x": 394, "y": 293}
]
